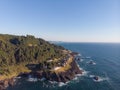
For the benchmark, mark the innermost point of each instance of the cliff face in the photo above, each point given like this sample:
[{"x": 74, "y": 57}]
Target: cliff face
[
  {"x": 61, "y": 76},
  {"x": 7, "y": 82}
]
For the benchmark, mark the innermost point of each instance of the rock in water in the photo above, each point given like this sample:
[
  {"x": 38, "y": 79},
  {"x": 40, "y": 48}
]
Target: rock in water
[{"x": 96, "y": 78}]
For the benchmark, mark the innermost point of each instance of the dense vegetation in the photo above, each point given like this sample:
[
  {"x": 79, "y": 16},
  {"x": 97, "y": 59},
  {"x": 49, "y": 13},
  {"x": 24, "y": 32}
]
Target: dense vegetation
[{"x": 18, "y": 51}]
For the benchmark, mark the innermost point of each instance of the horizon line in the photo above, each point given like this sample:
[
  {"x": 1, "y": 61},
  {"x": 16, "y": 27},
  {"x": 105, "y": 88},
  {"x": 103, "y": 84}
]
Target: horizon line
[
  {"x": 60, "y": 40},
  {"x": 78, "y": 42}
]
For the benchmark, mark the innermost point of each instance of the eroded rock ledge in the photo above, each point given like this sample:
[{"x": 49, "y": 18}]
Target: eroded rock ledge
[
  {"x": 63, "y": 76},
  {"x": 60, "y": 76},
  {"x": 52, "y": 76}
]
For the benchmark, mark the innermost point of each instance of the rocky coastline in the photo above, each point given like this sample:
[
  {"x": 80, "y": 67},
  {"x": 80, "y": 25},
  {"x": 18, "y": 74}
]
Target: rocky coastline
[
  {"x": 61, "y": 76},
  {"x": 29, "y": 57},
  {"x": 48, "y": 75}
]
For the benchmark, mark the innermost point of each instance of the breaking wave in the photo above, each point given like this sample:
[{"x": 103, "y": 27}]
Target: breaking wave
[{"x": 100, "y": 78}]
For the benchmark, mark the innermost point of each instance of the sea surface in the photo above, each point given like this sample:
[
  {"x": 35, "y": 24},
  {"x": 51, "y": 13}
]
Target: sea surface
[{"x": 106, "y": 58}]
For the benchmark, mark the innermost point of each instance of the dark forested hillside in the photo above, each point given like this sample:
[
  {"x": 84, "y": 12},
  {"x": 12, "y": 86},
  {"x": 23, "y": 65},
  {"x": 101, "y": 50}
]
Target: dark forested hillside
[{"x": 18, "y": 51}]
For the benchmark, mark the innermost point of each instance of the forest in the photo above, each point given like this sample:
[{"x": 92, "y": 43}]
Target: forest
[{"x": 18, "y": 51}]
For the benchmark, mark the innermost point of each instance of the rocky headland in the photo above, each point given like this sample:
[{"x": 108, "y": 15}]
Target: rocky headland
[{"x": 24, "y": 56}]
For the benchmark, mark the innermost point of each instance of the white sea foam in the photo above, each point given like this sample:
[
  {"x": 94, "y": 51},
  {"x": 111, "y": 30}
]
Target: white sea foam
[
  {"x": 94, "y": 63},
  {"x": 32, "y": 79},
  {"x": 43, "y": 79},
  {"x": 89, "y": 62},
  {"x": 60, "y": 84},
  {"x": 79, "y": 54},
  {"x": 76, "y": 77},
  {"x": 84, "y": 73},
  {"x": 81, "y": 60},
  {"x": 53, "y": 82},
  {"x": 100, "y": 78},
  {"x": 79, "y": 66}
]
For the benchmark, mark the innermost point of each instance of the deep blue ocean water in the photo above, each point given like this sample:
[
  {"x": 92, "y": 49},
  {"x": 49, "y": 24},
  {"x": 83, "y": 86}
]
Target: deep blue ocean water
[{"x": 107, "y": 59}]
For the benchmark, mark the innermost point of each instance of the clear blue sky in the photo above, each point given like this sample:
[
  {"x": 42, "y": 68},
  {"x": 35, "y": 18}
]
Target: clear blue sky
[{"x": 62, "y": 20}]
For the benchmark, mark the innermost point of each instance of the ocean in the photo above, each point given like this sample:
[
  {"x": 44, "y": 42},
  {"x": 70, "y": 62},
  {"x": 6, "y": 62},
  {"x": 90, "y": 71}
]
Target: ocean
[{"x": 106, "y": 58}]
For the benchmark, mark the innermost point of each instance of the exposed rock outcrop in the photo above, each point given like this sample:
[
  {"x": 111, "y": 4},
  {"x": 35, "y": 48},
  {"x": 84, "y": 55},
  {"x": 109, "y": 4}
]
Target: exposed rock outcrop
[
  {"x": 52, "y": 76},
  {"x": 7, "y": 82},
  {"x": 61, "y": 76}
]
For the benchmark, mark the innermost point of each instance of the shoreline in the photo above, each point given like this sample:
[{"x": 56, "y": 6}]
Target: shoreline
[{"x": 61, "y": 76}]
